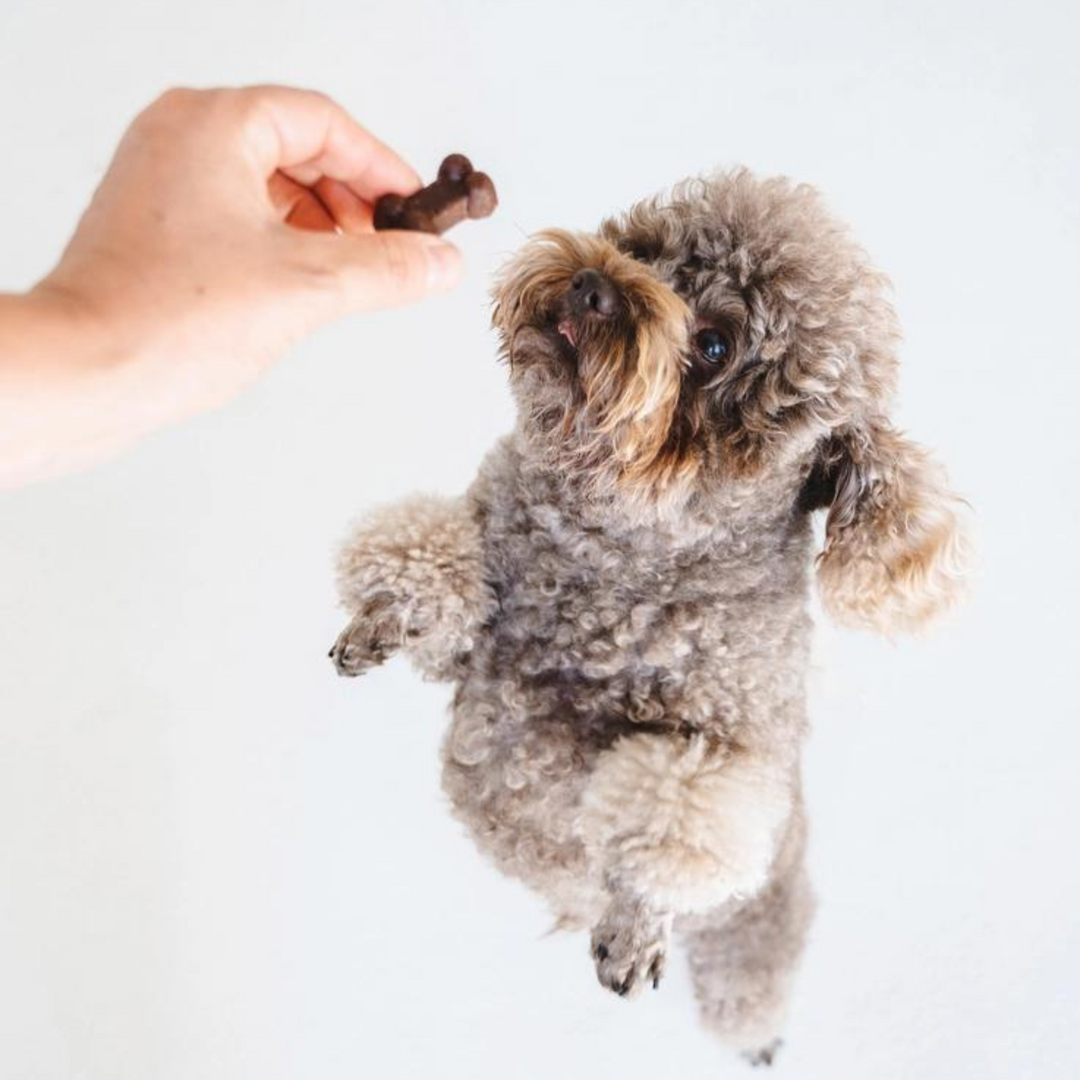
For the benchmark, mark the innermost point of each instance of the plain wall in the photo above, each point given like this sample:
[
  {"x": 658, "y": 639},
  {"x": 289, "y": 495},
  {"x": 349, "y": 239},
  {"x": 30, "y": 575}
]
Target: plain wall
[{"x": 219, "y": 860}]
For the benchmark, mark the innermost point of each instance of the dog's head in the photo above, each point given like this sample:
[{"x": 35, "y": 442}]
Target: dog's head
[{"x": 728, "y": 336}]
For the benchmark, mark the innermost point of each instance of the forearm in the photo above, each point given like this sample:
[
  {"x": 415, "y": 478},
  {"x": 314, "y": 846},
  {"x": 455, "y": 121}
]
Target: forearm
[
  {"x": 413, "y": 575},
  {"x": 70, "y": 387}
]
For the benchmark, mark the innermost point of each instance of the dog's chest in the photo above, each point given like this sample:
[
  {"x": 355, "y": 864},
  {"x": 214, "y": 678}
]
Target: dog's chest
[
  {"x": 609, "y": 633},
  {"x": 578, "y": 605}
]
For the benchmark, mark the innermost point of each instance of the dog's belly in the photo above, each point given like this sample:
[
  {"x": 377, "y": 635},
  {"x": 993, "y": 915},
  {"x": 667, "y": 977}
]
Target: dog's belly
[
  {"x": 594, "y": 646},
  {"x": 530, "y": 716},
  {"x": 514, "y": 770}
]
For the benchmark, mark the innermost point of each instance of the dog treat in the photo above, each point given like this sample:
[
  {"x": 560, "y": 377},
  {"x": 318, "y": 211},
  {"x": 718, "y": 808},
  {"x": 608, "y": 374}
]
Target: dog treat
[{"x": 459, "y": 193}]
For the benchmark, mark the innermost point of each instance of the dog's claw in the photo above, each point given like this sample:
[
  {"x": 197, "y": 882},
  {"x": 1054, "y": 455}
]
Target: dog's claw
[
  {"x": 764, "y": 1055},
  {"x": 374, "y": 633}
]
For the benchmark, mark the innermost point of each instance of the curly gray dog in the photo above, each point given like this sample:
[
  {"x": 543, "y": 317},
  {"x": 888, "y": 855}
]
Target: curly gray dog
[{"x": 621, "y": 597}]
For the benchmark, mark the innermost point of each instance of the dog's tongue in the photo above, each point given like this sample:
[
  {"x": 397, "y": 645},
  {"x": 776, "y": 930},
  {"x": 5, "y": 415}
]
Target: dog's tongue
[{"x": 566, "y": 328}]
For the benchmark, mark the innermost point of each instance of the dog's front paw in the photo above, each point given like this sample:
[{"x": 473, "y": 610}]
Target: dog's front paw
[
  {"x": 629, "y": 945},
  {"x": 375, "y": 633}
]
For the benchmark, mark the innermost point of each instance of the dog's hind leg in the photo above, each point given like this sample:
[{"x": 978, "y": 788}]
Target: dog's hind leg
[{"x": 743, "y": 955}]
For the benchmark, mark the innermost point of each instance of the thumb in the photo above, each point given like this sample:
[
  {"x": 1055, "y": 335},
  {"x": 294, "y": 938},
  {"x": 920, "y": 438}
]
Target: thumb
[{"x": 379, "y": 269}]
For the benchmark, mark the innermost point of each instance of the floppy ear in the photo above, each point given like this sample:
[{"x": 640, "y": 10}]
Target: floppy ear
[{"x": 895, "y": 553}]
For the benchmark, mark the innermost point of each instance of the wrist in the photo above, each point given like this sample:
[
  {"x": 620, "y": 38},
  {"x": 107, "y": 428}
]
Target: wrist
[
  {"x": 63, "y": 392},
  {"x": 70, "y": 338}
]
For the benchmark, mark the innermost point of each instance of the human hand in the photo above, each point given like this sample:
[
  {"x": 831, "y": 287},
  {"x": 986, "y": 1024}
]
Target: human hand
[{"x": 230, "y": 223}]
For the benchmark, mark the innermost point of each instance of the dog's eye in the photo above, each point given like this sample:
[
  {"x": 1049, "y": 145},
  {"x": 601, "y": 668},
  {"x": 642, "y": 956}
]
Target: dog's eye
[{"x": 711, "y": 345}]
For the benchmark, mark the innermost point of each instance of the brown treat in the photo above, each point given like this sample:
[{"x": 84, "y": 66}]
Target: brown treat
[{"x": 459, "y": 193}]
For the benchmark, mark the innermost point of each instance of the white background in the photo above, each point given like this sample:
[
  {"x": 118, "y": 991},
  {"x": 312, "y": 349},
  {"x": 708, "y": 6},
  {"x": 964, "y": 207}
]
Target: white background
[{"x": 219, "y": 860}]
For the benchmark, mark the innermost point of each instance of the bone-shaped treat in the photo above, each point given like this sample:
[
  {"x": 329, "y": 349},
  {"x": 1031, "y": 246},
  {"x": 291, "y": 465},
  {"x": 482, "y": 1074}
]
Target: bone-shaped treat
[{"x": 459, "y": 193}]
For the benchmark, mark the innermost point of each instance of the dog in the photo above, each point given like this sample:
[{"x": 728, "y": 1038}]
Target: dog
[{"x": 621, "y": 597}]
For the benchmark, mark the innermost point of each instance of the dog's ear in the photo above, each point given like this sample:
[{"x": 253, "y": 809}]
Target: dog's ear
[{"x": 895, "y": 551}]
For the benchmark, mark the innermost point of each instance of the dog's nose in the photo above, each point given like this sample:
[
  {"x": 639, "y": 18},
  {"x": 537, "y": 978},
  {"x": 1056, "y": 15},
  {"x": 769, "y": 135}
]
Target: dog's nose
[{"x": 591, "y": 293}]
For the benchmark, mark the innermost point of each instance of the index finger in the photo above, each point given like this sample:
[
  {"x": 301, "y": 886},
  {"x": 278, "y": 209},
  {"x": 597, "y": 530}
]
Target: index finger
[{"x": 307, "y": 135}]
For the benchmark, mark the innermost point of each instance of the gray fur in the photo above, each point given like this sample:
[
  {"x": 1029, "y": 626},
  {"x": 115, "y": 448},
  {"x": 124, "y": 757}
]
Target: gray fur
[{"x": 621, "y": 597}]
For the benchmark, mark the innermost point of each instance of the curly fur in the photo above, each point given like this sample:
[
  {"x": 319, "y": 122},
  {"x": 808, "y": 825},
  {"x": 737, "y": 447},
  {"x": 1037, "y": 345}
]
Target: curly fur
[{"x": 621, "y": 597}]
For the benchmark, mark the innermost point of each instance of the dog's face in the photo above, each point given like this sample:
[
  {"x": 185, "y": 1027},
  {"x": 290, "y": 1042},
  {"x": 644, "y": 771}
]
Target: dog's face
[
  {"x": 696, "y": 339},
  {"x": 727, "y": 335}
]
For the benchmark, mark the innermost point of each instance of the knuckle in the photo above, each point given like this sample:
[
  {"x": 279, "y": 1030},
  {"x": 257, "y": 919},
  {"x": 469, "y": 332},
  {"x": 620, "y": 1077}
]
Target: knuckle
[
  {"x": 401, "y": 261},
  {"x": 249, "y": 105},
  {"x": 319, "y": 96},
  {"x": 173, "y": 108},
  {"x": 174, "y": 100},
  {"x": 258, "y": 98}
]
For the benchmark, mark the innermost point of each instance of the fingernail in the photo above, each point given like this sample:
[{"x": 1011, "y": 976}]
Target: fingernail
[{"x": 444, "y": 263}]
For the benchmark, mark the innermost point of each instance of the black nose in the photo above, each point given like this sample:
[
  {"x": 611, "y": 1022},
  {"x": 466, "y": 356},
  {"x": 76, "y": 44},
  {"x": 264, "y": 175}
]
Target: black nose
[{"x": 591, "y": 293}]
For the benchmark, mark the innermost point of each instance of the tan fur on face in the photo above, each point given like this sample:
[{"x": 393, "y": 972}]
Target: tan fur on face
[
  {"x": 630, "y": 370},
  {"x": 895, "y": 552}
]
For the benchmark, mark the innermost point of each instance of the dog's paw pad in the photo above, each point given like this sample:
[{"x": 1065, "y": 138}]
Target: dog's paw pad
[{"x": 629, "y": 946}]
